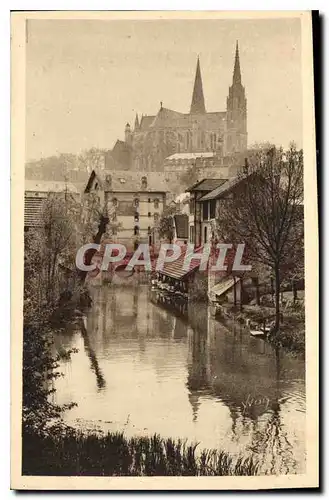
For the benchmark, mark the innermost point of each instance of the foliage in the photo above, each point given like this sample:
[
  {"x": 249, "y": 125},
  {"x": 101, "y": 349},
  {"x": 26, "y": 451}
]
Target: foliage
[
  {"x": 66, "y": 167},
  {"x": 39, "y": 370},
  {"x": 265, "y": 211},
  {"x": 165, "y": 225},
  {"x": 190, "y": 177},
  {"x": 79, "y": 454}
]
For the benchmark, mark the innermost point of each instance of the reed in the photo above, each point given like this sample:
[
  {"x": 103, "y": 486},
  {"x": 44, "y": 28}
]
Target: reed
[{"x": 73, "y": 453}]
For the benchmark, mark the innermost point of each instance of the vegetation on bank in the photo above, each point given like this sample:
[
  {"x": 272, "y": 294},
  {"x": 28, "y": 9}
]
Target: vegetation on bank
[
  {"x": 291, "y": 336},
  {"x": 72, "y": 453}
]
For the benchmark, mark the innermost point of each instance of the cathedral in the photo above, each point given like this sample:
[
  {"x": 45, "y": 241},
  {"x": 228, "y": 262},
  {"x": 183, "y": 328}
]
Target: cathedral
[{"x": 169, "y": 132}]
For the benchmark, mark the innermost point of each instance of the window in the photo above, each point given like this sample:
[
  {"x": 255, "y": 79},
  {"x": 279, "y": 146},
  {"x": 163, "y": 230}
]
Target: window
[
  {"x": 96, "y": 186},
  {"x": 149, "y": 214},
  {"x": 156, "y": 216},
  {"x": 156, "y": 203},
  {"x": 212, "y": 209},
  {"x": 149, "y": 229},
  {"x": 205, "y": 215},
  {"x": 115, "y": 202},
  {"x": 136, "y": 230},
  {"x": 192, "y": 206},
  {"x": 149, "y": 200},
  {"x": 136, "y": 202},
  {"x": 136, "y": 216},
  {"x": 205, "y": 234},
  {"x": 144, "y": 182}
]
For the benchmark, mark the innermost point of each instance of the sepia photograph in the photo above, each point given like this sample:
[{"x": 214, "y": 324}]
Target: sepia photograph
[{"x": 164, "y": 208}]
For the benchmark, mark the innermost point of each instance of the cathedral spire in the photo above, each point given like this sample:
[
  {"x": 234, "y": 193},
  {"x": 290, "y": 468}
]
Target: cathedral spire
[
  {"x": 197, "y": 104},
  {"x": 237, "y": 71}
]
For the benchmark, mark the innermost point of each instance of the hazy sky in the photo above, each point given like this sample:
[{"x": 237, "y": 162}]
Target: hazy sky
[{"x": 86, "y": 79}]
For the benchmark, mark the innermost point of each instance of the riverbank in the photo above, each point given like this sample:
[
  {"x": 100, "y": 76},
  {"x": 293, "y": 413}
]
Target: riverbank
[
  {"x": 72, "y": 453},
  {"x": 292, "y": 327}
]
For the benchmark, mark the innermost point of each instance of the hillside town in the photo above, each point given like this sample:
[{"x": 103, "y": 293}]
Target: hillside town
[
  {"x": 175, "y": 169},
  {"x": 188, "y": 180}
]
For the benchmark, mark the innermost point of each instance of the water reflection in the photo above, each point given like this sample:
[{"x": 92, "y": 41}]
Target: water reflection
[{"x": 189, "y": 377}]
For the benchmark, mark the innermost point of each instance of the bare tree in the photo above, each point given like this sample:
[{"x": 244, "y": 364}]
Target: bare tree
[
  {"x": 92, "y": 159},
  {"x": 264, "y": 210}
]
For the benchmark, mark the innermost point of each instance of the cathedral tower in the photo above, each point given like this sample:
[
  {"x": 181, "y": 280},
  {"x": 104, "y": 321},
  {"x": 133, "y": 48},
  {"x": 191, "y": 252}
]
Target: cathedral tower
[
  {"x": 197, "y": 104},
  {"x": 236, "y": 112}
]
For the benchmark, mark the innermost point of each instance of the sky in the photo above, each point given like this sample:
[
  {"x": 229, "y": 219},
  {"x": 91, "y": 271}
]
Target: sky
[{"x": 85, "y": 79}]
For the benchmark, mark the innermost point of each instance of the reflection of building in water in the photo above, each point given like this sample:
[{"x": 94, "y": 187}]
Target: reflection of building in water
[{"x": 245, "y": 374}]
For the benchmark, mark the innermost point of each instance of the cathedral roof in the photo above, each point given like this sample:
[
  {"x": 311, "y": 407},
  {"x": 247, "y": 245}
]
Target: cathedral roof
[
  {"x": 146, "y": 122},
  {"x": 168, "y": 118}
]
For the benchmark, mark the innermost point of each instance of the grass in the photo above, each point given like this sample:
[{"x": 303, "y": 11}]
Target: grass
[{"x": 72, "y": 453}]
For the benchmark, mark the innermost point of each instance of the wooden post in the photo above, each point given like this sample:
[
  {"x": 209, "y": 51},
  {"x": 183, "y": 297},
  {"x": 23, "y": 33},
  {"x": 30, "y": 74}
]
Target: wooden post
[
  {"x": 234, "y": 290},
  {"x": 294, "y": 290},
  {"x": 257, "y": 291},
  {"x": 241, "y": 293},
  {"x": 272, "y": 286}
]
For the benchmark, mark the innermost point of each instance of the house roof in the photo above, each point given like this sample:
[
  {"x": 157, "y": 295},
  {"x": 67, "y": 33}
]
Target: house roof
[
  {"x": 49, "y": 186},
  {"x": 190, "y": 156},
  {"x": 127, "y": 181},
  {"x": 206, "y": 185},
  {"x": 224, "y": 286},
  {"x": 175, "y": 269},
  {"x": 223, "y": 188}
]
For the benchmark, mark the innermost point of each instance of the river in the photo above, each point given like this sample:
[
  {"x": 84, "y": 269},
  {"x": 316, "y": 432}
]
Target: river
[{"x": 142, "y": 369}]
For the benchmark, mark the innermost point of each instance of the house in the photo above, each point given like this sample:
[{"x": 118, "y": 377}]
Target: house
[
  {"x": 200, "y": 214},
  {"x": 133, "y": 200},
  {"x": 36, "y": 192}
]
